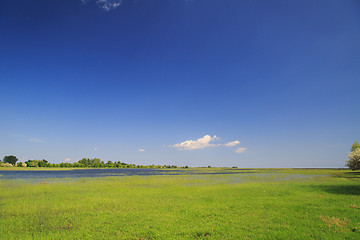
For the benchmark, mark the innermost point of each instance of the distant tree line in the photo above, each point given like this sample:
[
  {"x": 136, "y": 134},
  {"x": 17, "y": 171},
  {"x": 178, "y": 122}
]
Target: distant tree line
[{"x": 10, "y": 161}]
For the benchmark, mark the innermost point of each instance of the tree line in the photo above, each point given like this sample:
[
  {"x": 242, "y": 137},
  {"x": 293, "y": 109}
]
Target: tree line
[{"x": 11, "y": 160}]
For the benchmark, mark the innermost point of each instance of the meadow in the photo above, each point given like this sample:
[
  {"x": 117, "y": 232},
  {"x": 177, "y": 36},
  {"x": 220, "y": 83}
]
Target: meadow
[{"x": 264, "y": 204}]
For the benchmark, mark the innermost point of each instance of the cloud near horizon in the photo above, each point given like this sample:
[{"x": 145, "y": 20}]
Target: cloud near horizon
[
  {"x": 240, "y": 150},
  {"x": 29, "y": 138},
  {"x": 35, "y": 140},
  {"x": 67, "y": 160},
  {"x": 141, "y": 150},
  {"x": 204, "y": 142}
]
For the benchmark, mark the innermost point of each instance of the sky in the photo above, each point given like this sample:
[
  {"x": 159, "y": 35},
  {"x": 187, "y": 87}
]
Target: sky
[{"x": 246, "y": 83}]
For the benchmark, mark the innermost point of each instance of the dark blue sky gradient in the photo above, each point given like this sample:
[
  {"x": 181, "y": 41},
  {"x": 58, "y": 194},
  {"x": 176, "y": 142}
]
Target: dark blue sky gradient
[{"x": 281, "y": 77}]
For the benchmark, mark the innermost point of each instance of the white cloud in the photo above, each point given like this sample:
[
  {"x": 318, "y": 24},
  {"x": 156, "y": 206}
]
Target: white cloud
[
  {"x": 107, "y": 5},
  {"x": 28, "y": 138},
  {"x": 203, "y": 142},
  {"x": 240, "y": 150},
  {"x": 35, "y": 140},
  {"x": 206, "y": 142},
  {"x": 95, "y": 148},
  {"x": 141, "y": 150},
  {"x": 67, "y": 160},
  {"x": 231, "y": 144}
]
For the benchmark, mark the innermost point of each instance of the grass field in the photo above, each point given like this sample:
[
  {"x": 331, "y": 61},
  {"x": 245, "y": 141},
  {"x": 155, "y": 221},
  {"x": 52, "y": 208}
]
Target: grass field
[{"x": 271, "y": 204}]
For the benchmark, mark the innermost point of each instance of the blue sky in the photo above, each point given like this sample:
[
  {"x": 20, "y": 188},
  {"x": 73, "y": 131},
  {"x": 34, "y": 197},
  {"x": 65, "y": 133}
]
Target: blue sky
[{"x": 199, "y": 82}]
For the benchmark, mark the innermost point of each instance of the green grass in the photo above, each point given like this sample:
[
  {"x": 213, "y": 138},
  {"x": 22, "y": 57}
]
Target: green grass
[{"x": 269, "y": 205}]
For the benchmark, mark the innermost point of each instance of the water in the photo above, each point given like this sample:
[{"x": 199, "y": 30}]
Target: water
[{"x": 80, "y": 173}]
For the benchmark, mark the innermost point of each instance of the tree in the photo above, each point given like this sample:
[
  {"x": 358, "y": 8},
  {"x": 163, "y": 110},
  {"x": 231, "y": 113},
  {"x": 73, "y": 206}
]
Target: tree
[
  {"x": 354, "y": 160},
  {"x": 43, "y": 163},
  {"x": 10, "y": 159},
  {"x": 32, "y": 163},
  {"x": 355, "y": 146},
  {"x": 21, "y": 164},
  {"x": 109, "y": 164}
]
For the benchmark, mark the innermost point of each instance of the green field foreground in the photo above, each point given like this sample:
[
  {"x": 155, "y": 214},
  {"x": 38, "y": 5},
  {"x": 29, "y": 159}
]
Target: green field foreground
[{"x": 269, "y": 204}]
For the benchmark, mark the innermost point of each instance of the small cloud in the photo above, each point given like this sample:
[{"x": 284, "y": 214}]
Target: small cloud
[
  {"x": 107, "y": 5},
  {"x": 141, "y": 150},
  {"x": 231, "y": 144},
  {"x": 67, "y": 160},
  {"x": 200, "y": 143},
  {"x": 240, "y": 150},
  {"x": 95, "y": 148},
  {"x": 28, "y": 138},
  {"x": 35, "y": 140}
]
